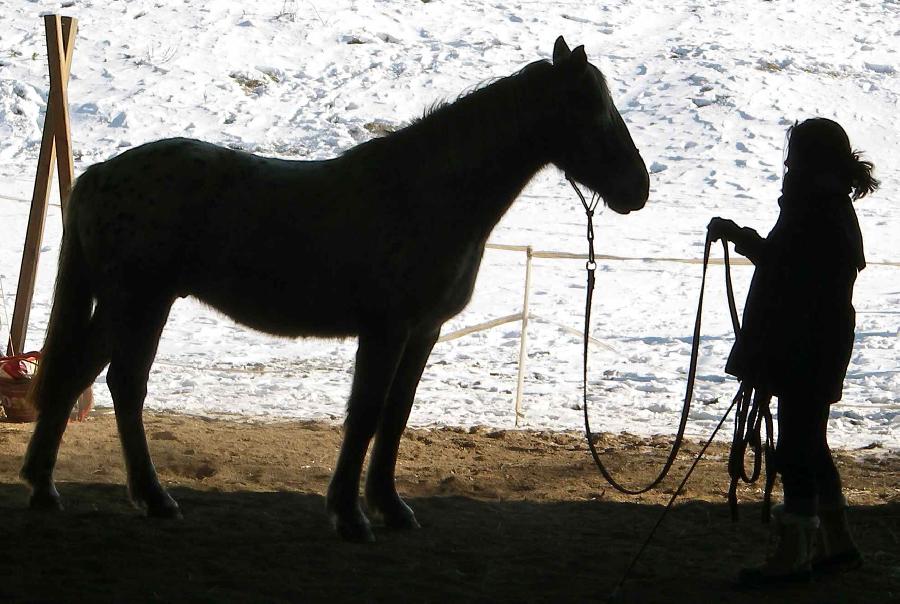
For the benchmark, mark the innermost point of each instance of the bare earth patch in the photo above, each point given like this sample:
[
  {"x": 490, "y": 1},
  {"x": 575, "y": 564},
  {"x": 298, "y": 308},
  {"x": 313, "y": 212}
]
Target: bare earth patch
[{"x": 506, "y": 517}]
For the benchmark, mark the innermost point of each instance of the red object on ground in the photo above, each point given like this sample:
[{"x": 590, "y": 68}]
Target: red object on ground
[
  {"x": 16, "y": 372},
  {"x": 15, "y": 379}
]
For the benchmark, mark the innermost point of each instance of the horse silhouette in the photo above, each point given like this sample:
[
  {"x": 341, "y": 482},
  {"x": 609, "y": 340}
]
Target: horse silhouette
[{"x": 383, "y": 242}]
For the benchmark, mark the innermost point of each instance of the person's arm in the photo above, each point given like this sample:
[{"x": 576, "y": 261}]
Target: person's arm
[
  {"x": 747, "y": 241},
  {"x": 749, "y": 244}
]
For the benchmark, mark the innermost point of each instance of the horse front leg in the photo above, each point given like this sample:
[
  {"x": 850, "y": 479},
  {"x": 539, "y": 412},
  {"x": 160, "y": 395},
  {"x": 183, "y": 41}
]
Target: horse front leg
[
  {"x": 377, "y": 359},
  {"x": 381, "y": 492}
]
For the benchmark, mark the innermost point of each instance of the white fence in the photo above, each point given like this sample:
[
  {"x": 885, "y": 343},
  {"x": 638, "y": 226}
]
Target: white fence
[{"x": 524, "y": 314}]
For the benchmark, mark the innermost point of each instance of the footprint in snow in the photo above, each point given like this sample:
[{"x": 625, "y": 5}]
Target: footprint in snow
[{"x": 881, "y": 68}]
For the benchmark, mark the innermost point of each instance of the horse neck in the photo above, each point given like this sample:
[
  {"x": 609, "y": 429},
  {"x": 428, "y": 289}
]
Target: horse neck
[
  {"x": 473, "y": 158},
  {"x": 486, "y": 188}
]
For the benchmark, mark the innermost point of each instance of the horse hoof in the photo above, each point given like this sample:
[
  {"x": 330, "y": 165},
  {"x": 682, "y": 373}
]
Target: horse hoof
[
  {"x": 403, "y": 520},
  {"x": 394, "y": 515},
  {"x": 44, "y": 502},
  {"x": 354, "y": 530},
  {"x": 159, "y": 505},
  {"x": 165, "y": 512},
  {"x": 403, "y": 523},
  {"x": 165, "y": 507}
]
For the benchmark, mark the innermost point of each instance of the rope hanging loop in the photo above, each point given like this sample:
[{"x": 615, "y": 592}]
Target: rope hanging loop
[{"x": 695, "y": 350}]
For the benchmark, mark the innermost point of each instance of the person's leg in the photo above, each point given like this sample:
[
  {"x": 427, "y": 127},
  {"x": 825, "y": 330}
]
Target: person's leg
[
  {"x": 829, "y": 491},
  {"x": 795, "y": 523},
  {"x": 796, "y": 454},
  {"x": 835, "y": 547}
]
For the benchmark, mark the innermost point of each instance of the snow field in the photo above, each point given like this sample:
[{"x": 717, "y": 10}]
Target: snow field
[{"x": 707, "y": 89}]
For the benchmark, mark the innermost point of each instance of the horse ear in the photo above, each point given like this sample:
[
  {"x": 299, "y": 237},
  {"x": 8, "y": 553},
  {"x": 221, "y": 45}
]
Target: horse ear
[
  {"x": 561, "y": 51},
  {"x": 579, "y": 58}
]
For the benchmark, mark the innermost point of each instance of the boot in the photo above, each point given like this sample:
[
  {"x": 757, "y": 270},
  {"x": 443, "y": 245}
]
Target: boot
[
  {"x": 790, "y": 561},
  {"x": 835, "y": 550}
]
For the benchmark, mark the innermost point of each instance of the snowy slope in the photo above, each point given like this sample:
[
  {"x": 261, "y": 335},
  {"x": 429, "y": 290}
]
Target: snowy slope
[{"x": 708, "y": 89}]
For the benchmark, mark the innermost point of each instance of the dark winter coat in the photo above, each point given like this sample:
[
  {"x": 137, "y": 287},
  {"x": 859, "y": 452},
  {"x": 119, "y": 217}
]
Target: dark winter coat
[{"x": 798, "y": 328}]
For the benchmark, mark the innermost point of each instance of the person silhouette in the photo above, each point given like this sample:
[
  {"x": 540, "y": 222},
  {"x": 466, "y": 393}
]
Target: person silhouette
[{"x": 797, "y": 337}]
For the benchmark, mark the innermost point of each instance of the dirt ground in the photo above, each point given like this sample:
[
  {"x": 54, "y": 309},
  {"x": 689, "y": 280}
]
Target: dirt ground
[{"x": 506, "y": 517}]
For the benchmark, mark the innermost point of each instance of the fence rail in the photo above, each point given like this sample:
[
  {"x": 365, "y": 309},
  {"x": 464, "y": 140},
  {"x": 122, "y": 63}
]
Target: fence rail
[{"x": 524, "y": 315}]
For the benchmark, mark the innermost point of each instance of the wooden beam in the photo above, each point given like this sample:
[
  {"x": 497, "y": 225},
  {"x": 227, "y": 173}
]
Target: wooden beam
[
  {"x": 60, "y": 42},
  {"x": 60, "y": 36}
]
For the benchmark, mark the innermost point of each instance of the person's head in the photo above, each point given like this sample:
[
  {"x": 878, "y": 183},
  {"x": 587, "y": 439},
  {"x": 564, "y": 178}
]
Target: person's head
[{"x": 819, "y": 152}]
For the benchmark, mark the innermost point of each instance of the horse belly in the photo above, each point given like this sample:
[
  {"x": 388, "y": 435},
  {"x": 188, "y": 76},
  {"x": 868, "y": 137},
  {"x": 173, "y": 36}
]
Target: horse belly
[
  {"x": 277, "y": 306},
  {"x": 292, "y": 283}
]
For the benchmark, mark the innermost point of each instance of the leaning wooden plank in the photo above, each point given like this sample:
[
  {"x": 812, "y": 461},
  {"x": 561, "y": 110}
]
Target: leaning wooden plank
[
  {"x": 59, "y": 49},
  {"x": 42, "y": 184},
  {"x": 33, "y": 237}
]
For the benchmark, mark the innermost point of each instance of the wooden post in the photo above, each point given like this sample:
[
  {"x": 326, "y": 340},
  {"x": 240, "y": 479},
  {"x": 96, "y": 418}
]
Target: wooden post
[
  {"x": 56, "y": 147},
  {"x": 523, "y": 354}
]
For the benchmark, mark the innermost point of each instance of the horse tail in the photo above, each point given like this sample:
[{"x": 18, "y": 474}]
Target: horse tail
[{"x": 70, "y": 315}]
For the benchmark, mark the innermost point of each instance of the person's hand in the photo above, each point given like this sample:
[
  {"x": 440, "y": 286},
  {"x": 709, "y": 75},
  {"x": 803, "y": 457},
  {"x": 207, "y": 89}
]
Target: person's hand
[{"x": 721, "y": 228}]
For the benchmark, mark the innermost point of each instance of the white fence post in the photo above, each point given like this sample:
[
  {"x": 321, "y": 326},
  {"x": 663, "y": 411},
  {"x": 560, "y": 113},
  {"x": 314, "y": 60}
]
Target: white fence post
[{"x": 523, "y": 336}]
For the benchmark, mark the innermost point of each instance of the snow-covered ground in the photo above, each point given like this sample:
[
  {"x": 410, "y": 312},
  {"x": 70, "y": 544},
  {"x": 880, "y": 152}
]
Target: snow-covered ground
[{"x": 707, "y": 88}]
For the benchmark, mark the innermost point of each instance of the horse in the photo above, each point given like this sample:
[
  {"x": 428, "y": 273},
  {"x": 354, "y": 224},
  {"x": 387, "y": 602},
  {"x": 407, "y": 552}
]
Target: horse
[{"x": 382, "y": 242}]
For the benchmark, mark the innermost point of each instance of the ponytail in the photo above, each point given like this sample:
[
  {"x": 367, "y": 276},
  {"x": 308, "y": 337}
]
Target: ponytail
[{"x": 861, "y": 179}]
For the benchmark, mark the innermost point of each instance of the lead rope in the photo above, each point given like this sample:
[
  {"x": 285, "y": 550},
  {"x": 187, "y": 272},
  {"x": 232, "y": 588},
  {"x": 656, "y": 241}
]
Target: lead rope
[
  {"x": 695, "y": 349},
  {"x": 753, "y": 408}
]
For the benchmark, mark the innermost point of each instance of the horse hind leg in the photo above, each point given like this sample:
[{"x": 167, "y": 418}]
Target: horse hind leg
[
  {"x": 66, "y": 376},
  {"x": 381, "y": 492},
  {"x": 377, "y": 359},
  {"x": 135, "y": 337}
]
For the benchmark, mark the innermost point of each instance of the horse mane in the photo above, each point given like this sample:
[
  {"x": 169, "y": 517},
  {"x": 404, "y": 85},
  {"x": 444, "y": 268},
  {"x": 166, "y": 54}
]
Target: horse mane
[{"x": 458, "y": 134}]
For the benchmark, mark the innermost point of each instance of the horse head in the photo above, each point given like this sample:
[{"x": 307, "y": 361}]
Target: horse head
[{"x": 593, "y": 145}]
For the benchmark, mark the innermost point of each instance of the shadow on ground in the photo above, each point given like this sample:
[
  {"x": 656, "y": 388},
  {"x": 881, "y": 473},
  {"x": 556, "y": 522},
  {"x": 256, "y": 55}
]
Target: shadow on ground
[{"x": 277, "y": 546}]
